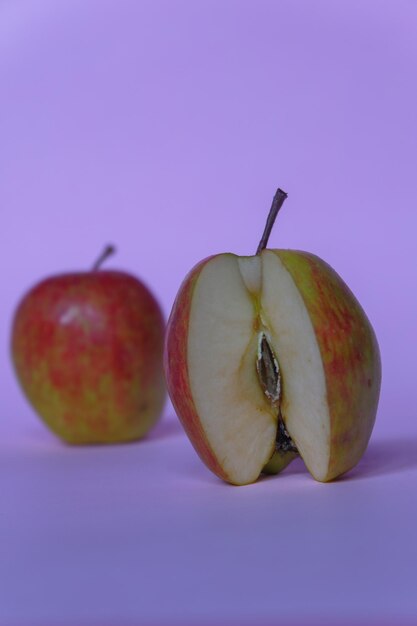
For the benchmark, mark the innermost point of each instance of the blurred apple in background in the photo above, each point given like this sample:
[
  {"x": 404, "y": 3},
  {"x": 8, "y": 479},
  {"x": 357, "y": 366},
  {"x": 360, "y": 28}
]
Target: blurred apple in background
[
  {"x": 87, "y": 349},
  {"x": 269, "y": 357}
]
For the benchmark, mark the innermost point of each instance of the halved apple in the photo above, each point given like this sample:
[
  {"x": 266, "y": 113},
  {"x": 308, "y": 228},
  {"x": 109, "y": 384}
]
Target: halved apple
[{"x": 268, "y": 357}]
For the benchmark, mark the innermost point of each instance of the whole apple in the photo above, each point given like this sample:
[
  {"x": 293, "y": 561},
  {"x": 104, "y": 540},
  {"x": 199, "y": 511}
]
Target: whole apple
[
  {"x": 87, "y": 349},
  {"x": 269, "y": 357}
]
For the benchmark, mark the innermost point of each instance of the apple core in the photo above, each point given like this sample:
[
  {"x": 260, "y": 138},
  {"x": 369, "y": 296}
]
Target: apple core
[{"x": 269, "y": 376}]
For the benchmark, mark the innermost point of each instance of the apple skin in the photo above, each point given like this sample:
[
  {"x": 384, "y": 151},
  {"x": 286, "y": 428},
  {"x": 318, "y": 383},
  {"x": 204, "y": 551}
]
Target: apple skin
[
  {"x": 347, "y": 344},
  {"x": 350, "y": 355},
  {"x": 87, "y": 349},
  {"x": 176, "y": 371}
]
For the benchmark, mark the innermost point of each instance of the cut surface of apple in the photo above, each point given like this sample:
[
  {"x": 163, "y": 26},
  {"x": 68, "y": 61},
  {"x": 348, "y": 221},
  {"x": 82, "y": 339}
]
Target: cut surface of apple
[
  {"x": 287, "y": 313},
  {"x": 222, "y": 346}
]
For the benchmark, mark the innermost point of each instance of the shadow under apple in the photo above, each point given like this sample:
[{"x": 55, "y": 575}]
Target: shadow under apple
[
  {"x": 382, "y": 457},
  {"x": 386, "y": 456}
]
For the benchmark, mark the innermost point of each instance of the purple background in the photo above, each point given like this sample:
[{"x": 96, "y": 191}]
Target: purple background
[{"x": 165, "y": 127}]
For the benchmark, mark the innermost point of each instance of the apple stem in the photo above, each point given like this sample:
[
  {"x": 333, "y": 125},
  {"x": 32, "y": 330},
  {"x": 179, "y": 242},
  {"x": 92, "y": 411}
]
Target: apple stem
[
  {"x": 108, "y": 251},
  {"x": 277, "y": 203}
]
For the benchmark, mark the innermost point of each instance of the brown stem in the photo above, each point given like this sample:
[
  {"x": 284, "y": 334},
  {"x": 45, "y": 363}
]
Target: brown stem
[
  {"x": 277, "y": 203},
  {"x": 108, "y": 251}
]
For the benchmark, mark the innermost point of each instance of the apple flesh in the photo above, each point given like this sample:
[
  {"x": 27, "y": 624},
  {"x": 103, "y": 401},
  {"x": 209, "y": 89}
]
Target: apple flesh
[
  {"x": 268, "y": 357},
  {"x": 87, "y": 349}
]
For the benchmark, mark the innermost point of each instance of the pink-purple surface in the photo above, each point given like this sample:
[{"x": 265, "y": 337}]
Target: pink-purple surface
[{"x": 165, "y": 127}]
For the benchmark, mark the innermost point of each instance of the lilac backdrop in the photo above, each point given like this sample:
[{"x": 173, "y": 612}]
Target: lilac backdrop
[{"x": 165, "y": 127}]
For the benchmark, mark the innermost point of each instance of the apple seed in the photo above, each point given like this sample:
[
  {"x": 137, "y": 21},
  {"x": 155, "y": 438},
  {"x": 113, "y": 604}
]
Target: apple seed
[
  {"x": 269, "y": 376},
  {"x": 268, "y": 371}
]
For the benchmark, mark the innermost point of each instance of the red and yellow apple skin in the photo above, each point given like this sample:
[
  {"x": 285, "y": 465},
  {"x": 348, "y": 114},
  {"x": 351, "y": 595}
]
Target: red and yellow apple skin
[
  {"x": 349, "y": 352},
  {"x": 87, "y": 349},
  {"x": 176, "y": 371},
  {"x": 348, "y": 348}
]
